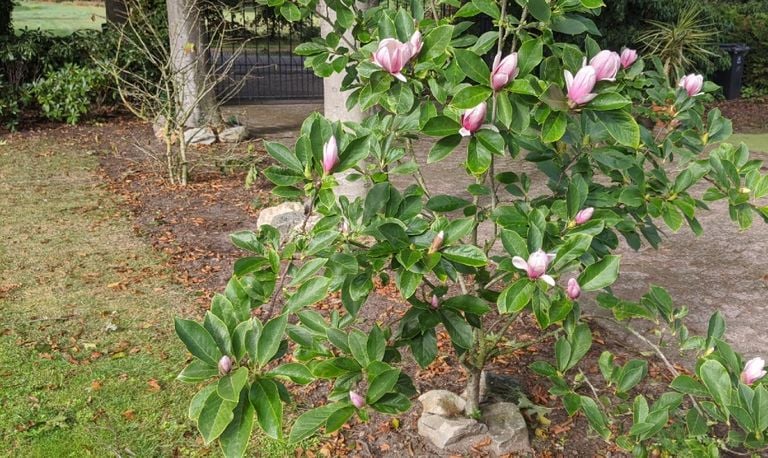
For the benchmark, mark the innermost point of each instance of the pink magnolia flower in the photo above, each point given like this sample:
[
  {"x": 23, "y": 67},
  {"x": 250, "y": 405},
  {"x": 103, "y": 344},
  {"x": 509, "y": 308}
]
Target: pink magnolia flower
[
  {"x": 536, "y": 266},
  {"x": 392, "y": 56},
  {"x": 416, "y": 44},
  {"x": 753, "y": 371},
  {"x": 225, "y": 365},
  {"x": 628, "y": 57},
  {"x": 574, "y": 290},
  {"x": 606, "y": 64},
  {"x": 435, "y": 302},
  {"x": 472, "y": 119},
  {"x": 692, "y": 84},
  {"x": 330, "y": 155},
  {"x": 504, "y": 70},
  {"x": 437, "y": 242},
  {"x": 580, "y": 87},
  {"x": 356, "y": 399},
  {"x": 584, "y": 215}
]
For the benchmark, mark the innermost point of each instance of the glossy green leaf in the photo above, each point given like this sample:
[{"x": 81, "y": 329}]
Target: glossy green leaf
[{"x": 198, "y": 341}]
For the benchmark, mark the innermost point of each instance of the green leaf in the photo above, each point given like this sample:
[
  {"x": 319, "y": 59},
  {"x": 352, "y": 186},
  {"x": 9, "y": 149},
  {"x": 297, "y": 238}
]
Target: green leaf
[
  {"x": 760, "y": 408},
  {"x": 357, "y": 150},
  {"x": 488, "y": 7},
  {"x": 578, "y": 191},
  {"x": 595, "y": 417},
  {"x": 382, "y": 384},
  {"x": 478, "y": 156},
  {"x": 436, "y": 42},
  {"x": 265, "y": 398},
  {"x": 234, "y": 440},
  {"x": 445, "y": 145},
  {"x": 609, "y": 101},
  {"x": 440, "y": 126},
  {"x": 407, "y": 282},
  {"x": 631, "y": 374},
  {"x": 601, "y": 274},
  {"x": 717, "y": 381},
  {"x": 214, "y": 417},
  {"x": 554, "y": 127},
  {"x": 468, "y": 255},
  {"x": 290, "y": 12},
  {"x": 198, "y": 341},
  {"x": 311, "y": 421},
  {"x": 573, "y": 248},
  {"x": 467, "y": 303},
  {"x": 310, "y": 292},
  {"x": 581, "y": 342},
  {"x": 230, "y": 385},
  {"x": 298, "y": 373},
  {"x": 470, "y": 97},
  {"x": 688, "y": 385},
  {"x": 284, "y": 156},
  {"x": 424, "y": 348},
  {"x": 529, "y": 56},
  {"x": 539, "y": 9},
  {"x": 198, "y": 401},
  {"x": 621, "y": 126},
  {"x": 218, "y": 330},
  {"x": 307, "y": 270},
  {"x": 393, "y": 403},
  {"x": 247, "y": 240},
  {"x": 473, "y": 66},
  {"x": 562, "y": 354},
  {"x": 516, "y": 296},
  {"x": 697, "y": 425},
  {"x": 270, "y": 338},
  {"x": 459, "y": 330},
  {"x": 197, "y": 371},
  {"x": 376, "y": 344},
  {"x": 358, "y": 345},
  {"x": 445, "y": 203}
]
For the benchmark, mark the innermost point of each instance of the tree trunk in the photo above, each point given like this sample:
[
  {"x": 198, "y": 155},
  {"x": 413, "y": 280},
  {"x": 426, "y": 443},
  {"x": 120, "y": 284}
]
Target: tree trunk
[
  {"x": 334, "y": 108},
  {"x": 188, "y": 60},
  {"x": 474, "y": 377}
]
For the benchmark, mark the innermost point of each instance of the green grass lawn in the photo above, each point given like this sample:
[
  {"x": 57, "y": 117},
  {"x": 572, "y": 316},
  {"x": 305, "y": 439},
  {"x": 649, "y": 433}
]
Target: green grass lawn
[
  {"x": 58, "y": 18},
  {"x": 755, "y": 142},
  {"x": 88, "y": 356}
]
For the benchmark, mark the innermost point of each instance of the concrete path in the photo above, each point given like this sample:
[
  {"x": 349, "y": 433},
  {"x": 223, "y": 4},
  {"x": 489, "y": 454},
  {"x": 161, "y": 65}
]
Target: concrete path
[{"x": 724, "y": 269}]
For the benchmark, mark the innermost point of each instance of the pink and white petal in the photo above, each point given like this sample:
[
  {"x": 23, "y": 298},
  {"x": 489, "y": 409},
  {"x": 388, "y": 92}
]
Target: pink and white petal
[
  {"x": 520, "y": 263},
  {"x": 568, "y": 79},
  {"x": 464, "y": 132},
  {"x": 399, "y": 76},
  {"x": 586, "y": 98},
  {"x": 548, "y": 280}
]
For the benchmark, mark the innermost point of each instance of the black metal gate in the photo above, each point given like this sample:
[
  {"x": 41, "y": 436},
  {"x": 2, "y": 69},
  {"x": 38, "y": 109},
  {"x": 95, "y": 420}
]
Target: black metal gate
[{"x": 266, "y": 68}]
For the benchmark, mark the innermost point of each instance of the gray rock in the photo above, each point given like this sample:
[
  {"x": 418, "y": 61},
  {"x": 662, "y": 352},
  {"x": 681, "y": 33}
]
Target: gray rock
[
  {"x": 445, "y": 432},
  {"x": 507, "y": 428},
  {"x": 442, "y": 402},
  {"x": 284, "y": 217},
  {"x": 199, "y": 136},
  {"x": 233, "y": 134}
]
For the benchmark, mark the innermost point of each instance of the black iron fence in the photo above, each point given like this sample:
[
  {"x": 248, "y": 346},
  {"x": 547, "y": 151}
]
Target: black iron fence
[{"x": 265, "y": 67}]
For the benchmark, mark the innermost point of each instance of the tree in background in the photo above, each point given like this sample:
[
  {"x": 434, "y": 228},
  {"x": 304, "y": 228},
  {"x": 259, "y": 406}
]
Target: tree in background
[{"x": 6, "y": 9}]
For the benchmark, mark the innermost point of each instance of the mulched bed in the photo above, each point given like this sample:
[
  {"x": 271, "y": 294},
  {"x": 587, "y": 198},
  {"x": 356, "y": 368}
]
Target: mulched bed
[{"x": 748, "y": 115}]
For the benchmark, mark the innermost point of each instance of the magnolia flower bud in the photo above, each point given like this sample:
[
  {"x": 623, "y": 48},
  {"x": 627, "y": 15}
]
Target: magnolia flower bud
[
  {"x": 437, "y": 242},
  {"x": 580, "y": 87},
  {"x": 606, "y": 64},
  {"x": 435, "y": 303},
  {"x": 472, "y": 119},
  {"x": 225, "y": 365},
  {"x": 584, "y": 215},
  {"x": 416, "y": 44},
  {"x": 628, "y": 57},
  {"x": 330, "y": 155},
  {"x": 392, "y": 56},
  {"x": 504, "y": 71},
  {"x": 574, "y": 290},
  {"x": 692, "y": 84},
  {"x": 753, "y": 371},
  {"x": 356, "y": 399},
  {"x": 536, "y": 266}
]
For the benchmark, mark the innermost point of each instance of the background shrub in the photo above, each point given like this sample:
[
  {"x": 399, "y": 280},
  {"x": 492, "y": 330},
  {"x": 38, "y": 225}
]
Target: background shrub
[{"x": 68, "y": 94}]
